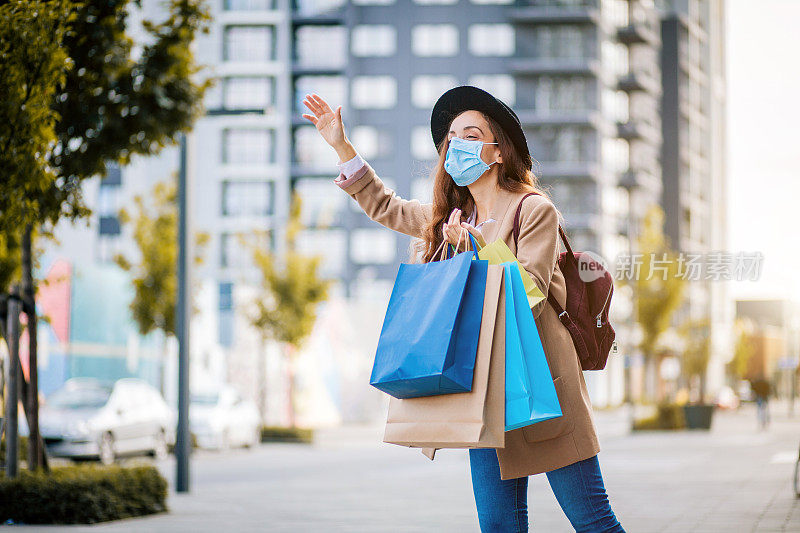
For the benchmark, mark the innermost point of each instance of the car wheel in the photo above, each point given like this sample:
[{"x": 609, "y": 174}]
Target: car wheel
[
  {"x": 160, "y": 449},
  {"x": 107, "y": 453}
]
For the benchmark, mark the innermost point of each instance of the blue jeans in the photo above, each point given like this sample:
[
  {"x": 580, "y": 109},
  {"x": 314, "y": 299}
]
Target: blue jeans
[{"x": 503, "y": 505}]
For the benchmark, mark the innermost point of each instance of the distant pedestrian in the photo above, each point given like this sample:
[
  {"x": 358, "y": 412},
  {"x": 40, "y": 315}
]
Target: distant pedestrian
[{"x": 761, "y": 389}]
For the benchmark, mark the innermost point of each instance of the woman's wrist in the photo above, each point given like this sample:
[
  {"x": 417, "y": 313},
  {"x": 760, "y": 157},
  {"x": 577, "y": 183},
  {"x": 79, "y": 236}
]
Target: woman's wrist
[{"x": 345, "y": 151}]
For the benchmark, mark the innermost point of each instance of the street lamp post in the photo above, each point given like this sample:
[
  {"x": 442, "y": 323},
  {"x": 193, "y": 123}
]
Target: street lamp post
[{"x": 183, "y": 439}]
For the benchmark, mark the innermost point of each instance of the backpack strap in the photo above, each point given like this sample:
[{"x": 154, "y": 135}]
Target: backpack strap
[
  {"x": 562, "y": 314},
  {"x": 516, "y": 227}
]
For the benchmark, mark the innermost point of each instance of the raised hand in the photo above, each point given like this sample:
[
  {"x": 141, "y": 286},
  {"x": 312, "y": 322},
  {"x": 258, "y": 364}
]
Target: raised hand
[{"x": 328, "y": 122}]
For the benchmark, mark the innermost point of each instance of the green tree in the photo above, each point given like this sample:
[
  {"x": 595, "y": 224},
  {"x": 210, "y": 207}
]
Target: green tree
[
  {"x": 155, "y": 273},
  {"x": 32, "y": 66},
  {"x": 291, "y": 291},
  {"x": 697, "y": 350},
  {"x": 657, "y": 286},
  {"x": 79, "y": 99},
  {"x": 743, "y": 351}
]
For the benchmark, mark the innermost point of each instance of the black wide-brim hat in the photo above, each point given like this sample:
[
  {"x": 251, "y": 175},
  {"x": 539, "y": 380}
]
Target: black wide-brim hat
[{"x": 465, "y": 97}]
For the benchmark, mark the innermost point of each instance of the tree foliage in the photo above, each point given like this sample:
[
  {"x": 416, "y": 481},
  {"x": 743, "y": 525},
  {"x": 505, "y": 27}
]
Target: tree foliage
[
  {"x": 286, "y": 312},
  {"x": 658, "y": 288},
  {"x": 155, "y": 272},
  {"x": 32, "y": 66},
  {"x": 743, "y": 351}
]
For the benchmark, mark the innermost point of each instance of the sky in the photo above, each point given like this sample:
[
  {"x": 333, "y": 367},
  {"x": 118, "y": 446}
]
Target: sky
[{"x": 763, "y": 152}]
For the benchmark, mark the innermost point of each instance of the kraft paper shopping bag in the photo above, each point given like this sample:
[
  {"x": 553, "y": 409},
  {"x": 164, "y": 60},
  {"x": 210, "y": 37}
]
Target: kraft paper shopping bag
[{"x": 472, "y": 419}]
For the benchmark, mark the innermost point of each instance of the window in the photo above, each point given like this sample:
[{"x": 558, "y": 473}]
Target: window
[
  {"x": 374, "y": 92},
  {"x": 321, "y": 46},
  {"x": 422, "y": 146},
  {"x": 248, "y": 43},
  {"x": 373, "y": 40},
  {"x": 436, "y": 2},
  {"x": 331, "y": 244},
  {"x": 316, "y": 7},
  {"x": 332, "y": 88},
  {"x": 501, "y": 86},
  {"x": 247, "y": 198},
  {"x": 425, "y": 90},
  {"x": 108, "y": 200},
  {"x": 491, "y": 39},
  {"x": 248, "y": 146},
  {"x": 498, "y": 2},
  {"x": 226, "y": 296},
  {"x": 372, "y": 246},
  {"x": 320, "y": 207},
  {"x": 248, "y": 92},
  {"x": 560, "y": 94},
  {"x": 563, "y": 42},
  {"x": 248, "y": 5},
  {"x": 236, "y": 249},
  {"x": 371, "y": 142},
  {"x": 311, "y": 149},
  {"x": 434, "y": 40}
]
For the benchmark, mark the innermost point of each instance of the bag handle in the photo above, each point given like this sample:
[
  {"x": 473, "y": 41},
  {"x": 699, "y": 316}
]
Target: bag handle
[
  {"x": 445, "y": 253},
  {"x": 560, "y": 229}
]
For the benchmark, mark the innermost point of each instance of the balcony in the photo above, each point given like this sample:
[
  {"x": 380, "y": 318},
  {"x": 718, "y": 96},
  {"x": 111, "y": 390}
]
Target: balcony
[
  {"x": 554, "y": 65},
  {"x": 637, "y": 33},
  {"x": 532, "y": 117},
  {"x": 636, "y": 81},
  {"x": 554, "y": 15}
]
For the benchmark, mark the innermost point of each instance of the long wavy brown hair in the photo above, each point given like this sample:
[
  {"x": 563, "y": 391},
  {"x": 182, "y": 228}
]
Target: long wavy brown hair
[{"x": 513, "y": 175}]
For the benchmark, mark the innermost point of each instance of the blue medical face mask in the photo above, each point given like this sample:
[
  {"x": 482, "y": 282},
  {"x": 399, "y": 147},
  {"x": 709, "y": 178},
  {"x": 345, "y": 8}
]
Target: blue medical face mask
[{"x": 463, "y": 161}]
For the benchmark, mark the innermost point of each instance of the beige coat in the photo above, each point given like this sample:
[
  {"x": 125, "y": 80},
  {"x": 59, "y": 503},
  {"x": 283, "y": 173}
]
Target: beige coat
[{"x": 557, "y": 442}]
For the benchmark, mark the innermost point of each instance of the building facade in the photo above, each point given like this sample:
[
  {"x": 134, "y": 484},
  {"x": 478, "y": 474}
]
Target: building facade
[{"x": 585, "y": 77}]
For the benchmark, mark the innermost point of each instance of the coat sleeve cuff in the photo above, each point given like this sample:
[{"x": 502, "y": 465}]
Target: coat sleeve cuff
[{"x": 345, "y": 180}]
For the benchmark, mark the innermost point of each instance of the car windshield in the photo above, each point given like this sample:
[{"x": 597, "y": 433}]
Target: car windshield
[
  {"x": 80, "y": 398},
  {"x": 205, "y": 399}
]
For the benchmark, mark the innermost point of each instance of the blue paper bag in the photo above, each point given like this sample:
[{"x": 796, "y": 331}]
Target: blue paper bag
[
  {"x": 429, "y": 337},
  {"x": 530, "y": 394}
]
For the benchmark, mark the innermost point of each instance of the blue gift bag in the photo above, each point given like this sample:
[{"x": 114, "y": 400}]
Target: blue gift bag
[
  {"x": 429, "y": 338},
  {"x": 530, "y": 394}
]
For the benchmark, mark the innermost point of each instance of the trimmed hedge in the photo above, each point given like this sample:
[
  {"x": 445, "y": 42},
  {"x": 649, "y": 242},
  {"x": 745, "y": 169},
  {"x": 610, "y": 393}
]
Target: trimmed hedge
[
  {"x": 668, "y": 416},
  {"x": 82, "y": 494},
  {"x": 283, "y": 434}
]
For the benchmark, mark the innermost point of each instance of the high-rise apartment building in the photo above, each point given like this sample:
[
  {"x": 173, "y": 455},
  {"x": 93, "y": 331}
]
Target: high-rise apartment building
[
  {"x": 693, "y": 159},
  {"x": 586, "y": 77}
]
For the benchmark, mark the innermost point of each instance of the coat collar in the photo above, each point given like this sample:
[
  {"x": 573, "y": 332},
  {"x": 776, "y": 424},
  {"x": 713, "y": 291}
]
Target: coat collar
[{"x": 499, "y": 213}]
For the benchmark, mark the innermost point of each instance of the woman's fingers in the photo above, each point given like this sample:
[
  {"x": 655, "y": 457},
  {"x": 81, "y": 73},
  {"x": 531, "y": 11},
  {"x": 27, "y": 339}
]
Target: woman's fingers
[
  {"x": 322, "y": 103},
  {"x": 313, "y": 106},
  {"x": 312, "y": 118},
  {"x": 475, "y": 233}
]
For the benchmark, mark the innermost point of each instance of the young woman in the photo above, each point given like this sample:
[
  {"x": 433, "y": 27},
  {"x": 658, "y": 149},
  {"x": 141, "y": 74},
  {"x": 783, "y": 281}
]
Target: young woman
[{"x": 483, "y": 171}]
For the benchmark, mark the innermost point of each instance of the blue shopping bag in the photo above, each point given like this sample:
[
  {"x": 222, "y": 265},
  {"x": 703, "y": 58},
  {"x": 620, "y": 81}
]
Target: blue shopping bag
[
  {"x": 530, "y": 394},
  {"x": 429, "y": 337}
]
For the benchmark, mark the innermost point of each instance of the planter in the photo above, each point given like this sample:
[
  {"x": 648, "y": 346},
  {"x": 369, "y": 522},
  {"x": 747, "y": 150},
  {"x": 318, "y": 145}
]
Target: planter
[{"x": 698, "y": 416}]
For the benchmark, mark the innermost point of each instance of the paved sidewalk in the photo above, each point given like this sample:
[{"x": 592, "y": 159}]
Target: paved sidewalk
[{"x": 730, "y": 479}]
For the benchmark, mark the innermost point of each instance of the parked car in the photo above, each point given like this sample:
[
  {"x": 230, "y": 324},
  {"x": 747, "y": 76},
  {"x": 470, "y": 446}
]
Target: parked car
[
  {"x": 89, "y": 419},
  {"x": 221, "y": 418}
]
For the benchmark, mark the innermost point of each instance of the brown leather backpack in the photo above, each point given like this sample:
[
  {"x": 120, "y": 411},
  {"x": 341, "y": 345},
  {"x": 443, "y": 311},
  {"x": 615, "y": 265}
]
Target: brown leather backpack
[{"x": 588, "y": 303}]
